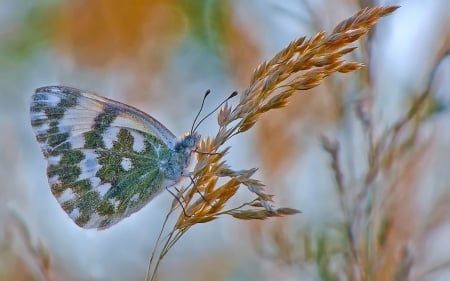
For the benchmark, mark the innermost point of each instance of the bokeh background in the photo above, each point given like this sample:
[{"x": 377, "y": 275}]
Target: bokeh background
[{"x": 161, "y": 56}]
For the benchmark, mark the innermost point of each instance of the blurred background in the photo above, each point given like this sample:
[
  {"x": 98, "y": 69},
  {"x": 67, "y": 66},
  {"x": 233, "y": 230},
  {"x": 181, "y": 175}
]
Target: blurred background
[{"x": 382, "y": 221}]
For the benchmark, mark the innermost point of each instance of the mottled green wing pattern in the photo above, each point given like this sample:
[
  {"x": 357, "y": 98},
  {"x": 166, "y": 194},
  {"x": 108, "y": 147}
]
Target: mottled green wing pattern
[{"x": 105, "y": 160}]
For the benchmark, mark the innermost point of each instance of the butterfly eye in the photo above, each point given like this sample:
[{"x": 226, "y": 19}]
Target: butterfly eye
[{"x": 190, "y": 141}]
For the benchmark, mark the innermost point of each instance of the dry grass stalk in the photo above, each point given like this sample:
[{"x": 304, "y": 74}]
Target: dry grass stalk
[
  {"x": 378, "y": 244},
  {"x": 300, "y": 66}
]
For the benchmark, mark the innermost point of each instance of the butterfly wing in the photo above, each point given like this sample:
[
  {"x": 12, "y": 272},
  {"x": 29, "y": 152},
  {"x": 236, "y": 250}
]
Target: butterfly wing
[{"x": 105, "y": 159}]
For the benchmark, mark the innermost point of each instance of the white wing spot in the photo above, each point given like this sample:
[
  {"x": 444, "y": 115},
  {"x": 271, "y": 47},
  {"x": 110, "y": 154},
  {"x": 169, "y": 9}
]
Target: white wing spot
[
  {"x": 94, "y": 221},
  {"x": 102, "y": 189},
  {"x": 54, "y": 160},
  {"x": 66, "y": 196},
  {"x": 135, "y": 197},
  {"x": 41, "y": 130},
  {"x": 64, "y": 128},
  {"x": 75, "y": 213},
  {"x": 80, "y": 118},
  {"x": 53, "y": 180},
  {"x": 110, "y": 136},
  {"x": 38, "y": 116},
  {"x": 114, "y": 202},
  {"x": 52, "y": 100},
  {"x": 77, "y": 141},
  {"x": 126, "y": 164},
  {"x": 89, "y": 167},
  {"x": 124, "y": 121},
  {"x": 139, "y": 141},
  {"x": 95, "y": 181}
]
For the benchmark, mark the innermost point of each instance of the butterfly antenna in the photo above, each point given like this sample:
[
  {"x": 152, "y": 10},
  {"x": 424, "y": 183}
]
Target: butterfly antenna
[
  {"x": 214, "y": 110},
  {"x": 200, "y": 110}
]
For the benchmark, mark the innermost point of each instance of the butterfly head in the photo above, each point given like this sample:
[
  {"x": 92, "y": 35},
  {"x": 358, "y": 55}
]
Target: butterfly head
[
  {"x": 189, "y": 141},
  {"x": 183, "y": 151}
]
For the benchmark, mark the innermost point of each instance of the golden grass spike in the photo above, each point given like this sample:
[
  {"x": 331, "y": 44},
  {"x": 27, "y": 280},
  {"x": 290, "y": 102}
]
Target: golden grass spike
[{"x": 302, "y": 65}]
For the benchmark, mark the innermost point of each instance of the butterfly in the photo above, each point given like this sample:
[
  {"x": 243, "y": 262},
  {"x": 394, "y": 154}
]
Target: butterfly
[{"x": 105, "y": 160}]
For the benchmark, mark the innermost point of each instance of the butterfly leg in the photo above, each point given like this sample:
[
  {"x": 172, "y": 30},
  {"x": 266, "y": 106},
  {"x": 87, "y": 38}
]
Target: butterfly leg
[
  {"x": 179, "y": 201},
  {"x": 198, "y": 191}
]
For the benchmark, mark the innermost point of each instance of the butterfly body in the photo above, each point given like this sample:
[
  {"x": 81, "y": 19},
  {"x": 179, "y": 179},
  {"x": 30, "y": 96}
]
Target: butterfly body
[{"x": 106, "y": 160}]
